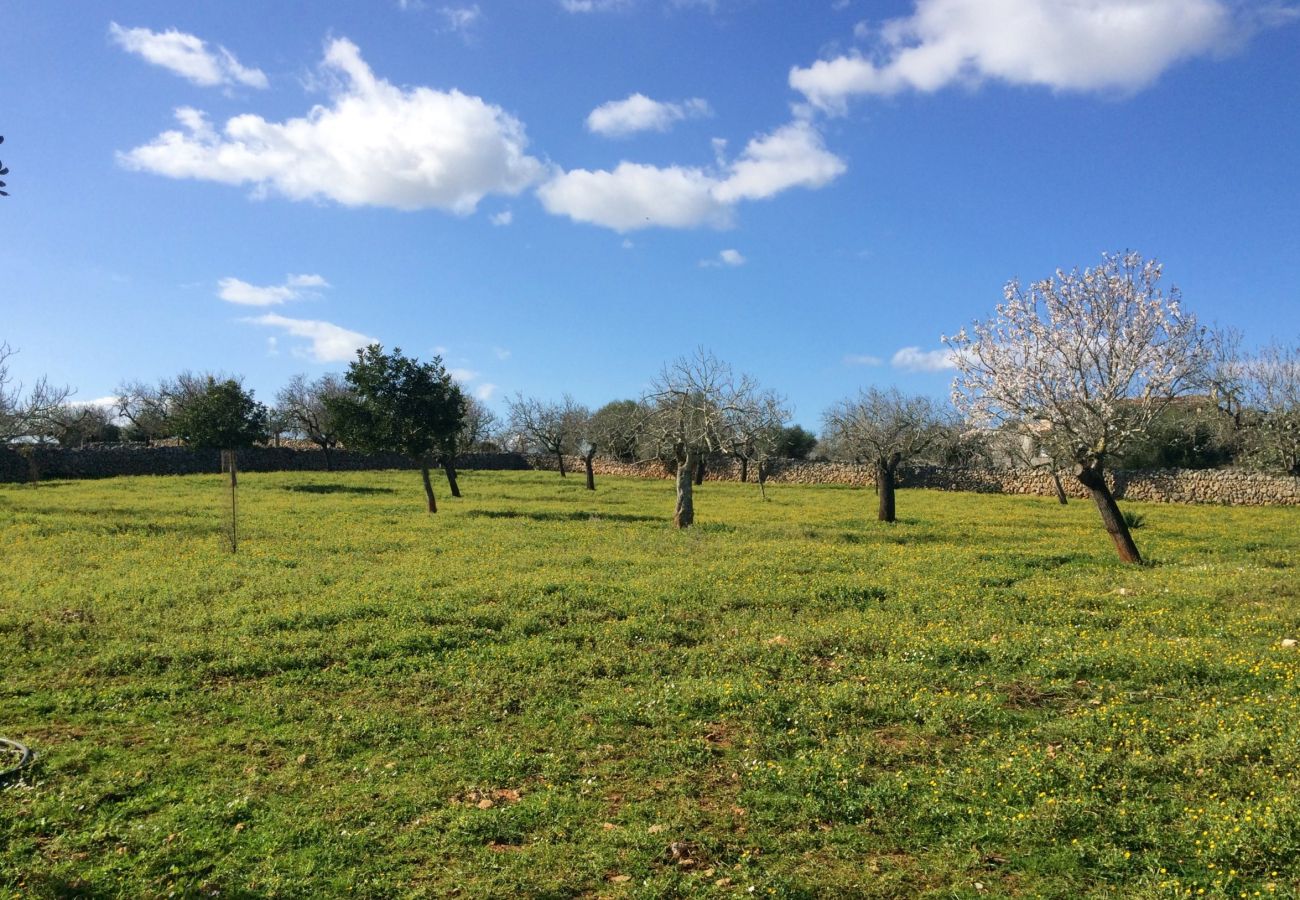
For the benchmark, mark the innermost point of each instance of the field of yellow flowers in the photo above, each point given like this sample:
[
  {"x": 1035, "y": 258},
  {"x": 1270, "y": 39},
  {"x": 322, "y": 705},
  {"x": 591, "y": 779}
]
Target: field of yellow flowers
[{"x": 546, "y": 692}]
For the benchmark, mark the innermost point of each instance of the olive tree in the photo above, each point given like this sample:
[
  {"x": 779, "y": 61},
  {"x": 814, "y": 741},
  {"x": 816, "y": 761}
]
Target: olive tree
[
  {"x": 305, "y": 409},
  {"x": 886, "y": 429},
  {"x": 1086, "y": 361},
  {"x": 398, "y": 404},
  {"x": 691, "y": 405}
]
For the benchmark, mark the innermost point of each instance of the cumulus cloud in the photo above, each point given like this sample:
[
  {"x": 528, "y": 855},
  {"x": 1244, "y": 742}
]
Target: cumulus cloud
[
  {"x": 375, "y": 144},
  {"x": 326, "y": 342},
  {"x": 234, "y": 290},
  {"x": 635, "y": 195},
  {"x": 619, "y": 118},
  {"x": 1098, "y": 45},
  {"x": 186, "y": 55},
  {"x": 914, "y": 359},
  {"x": 461, "y": 375}
]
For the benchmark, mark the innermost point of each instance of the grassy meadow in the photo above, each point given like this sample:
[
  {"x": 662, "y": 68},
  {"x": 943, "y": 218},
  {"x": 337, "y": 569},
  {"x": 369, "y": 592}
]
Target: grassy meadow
[{"x": 545, "y": 692}]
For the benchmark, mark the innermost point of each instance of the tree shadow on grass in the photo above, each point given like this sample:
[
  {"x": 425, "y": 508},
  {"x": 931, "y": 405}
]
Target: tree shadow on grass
[
  {"x": 338, "y": 489},
  {"x": 574, "y": 516}
]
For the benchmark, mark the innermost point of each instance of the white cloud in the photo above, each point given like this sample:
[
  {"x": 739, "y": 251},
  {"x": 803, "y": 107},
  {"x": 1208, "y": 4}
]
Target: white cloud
[
  {"x": 375, "y": 145},
  {"x": 727, "y": 257},
  {"x": 460, "y": 19},
  {"x": 327, "y": 342},
  {"x": 187, "y": 56},
  {"x": 914, "y": 359},
  {"x": 234, "y": 290},
  {"x": 505, "y": 217},
  {"x": 463, "y": 376},
  {"x": 619, "y": 118},
  {"x": 589, "y": 6},
  {"x": 635, "y": 195},
  {"x": 1079, "y": 45},
  {"x": 863, "y": 360},
  {"x": 485, "y": 391}
]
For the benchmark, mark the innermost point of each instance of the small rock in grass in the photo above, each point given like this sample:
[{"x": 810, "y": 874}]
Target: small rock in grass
[{"x": 1290, "y": 643}]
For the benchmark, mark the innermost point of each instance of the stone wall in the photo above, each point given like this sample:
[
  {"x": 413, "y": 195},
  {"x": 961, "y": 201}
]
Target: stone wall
[
  {"x": 1224, "y": 486},
  {"x": 106, "y": 462},
  {"x": 1162, "y": 486}
]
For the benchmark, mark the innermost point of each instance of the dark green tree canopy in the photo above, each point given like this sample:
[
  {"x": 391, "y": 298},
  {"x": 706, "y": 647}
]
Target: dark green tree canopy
[
  {"x": 398, "y": 404},
  {"x": 795, "y": 442},
  {"x": 222, "y": 415}
]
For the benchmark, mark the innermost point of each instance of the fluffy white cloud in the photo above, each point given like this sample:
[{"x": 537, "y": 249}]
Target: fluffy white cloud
[
  {"x": 187, "y": 56},
  {"x": 1072, "y": 45},
  {"x": 233, "y": 290},
  {"x": 460, "y": 19},
  {"x": 485, "y": 391},
  {"x": 327, "y": 342},
  {"x": 914, "y": 359},
  {"x": 374, "y": 145},
  {"x": 619, "y": 118},
  {"x": 863, "y": 359},
  {"x": 461, "y": 375},
  {"x": 635, "y": 195}
]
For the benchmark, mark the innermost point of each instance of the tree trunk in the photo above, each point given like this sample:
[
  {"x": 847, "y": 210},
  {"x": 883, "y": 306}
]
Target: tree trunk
[
  {"x": 591, "y": 473},
  {"x": 885, "y": 489},
  {"x": 684, "y": 515},
  {"x": 234, "y": 510},
  {"x": 329, "y": 461},
  {"x": 699, "y": 470},
  {"x": 560, "y": 457},
  {"x": 1060, "y": 489},
  {"x": 762, "y": 480},
  {"x": 744, "y": 469},
  {"x": 449, "y": 467},
  {"x": 1094, "y": 479},
  {"x": 428, "y": 487}
]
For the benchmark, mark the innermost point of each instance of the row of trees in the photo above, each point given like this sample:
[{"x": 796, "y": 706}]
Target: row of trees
[{"x": 1071, "y": 373}]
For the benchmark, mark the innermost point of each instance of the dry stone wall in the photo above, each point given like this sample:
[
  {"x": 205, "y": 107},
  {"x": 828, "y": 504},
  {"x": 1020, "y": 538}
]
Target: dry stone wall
[{"x": 1222, "y": 486}]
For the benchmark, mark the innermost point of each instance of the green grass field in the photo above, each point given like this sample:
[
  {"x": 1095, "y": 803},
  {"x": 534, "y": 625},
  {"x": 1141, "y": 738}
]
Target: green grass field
[{"x": 544, "y": 692}]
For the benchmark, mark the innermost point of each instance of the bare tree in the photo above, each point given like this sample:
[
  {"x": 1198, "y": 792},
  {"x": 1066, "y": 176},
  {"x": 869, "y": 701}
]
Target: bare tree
[
  {"x": 691, "y": 405},
  {"x": 1274, "y": 398},
  {"x": 755, "y": 429},
  {"x": 306, "y": 409},
  {"x": 887, "y": 429},
  {"x": 548, "y": 427},
  {"x": 144, "y": 407},
  {"x": 27, "y": 414},
  {"x": 1086, "y": 359},
  {"x": 79, "y": 424},
  {"x": 619, "y": 425}
]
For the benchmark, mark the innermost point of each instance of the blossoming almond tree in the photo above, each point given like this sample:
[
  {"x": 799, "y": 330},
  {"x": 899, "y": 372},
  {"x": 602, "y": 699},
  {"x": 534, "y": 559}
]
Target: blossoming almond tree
[{"x": 1084, "y": 362}]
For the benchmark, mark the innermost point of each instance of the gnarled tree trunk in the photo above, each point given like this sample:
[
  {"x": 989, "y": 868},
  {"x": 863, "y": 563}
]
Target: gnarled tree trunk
[
  {"x": 1094, "y": 479},
  {"x": 744, "y": 469},
  {"x": 762, "y": 480},
  {"x": 699, "y": 470},
  {"x": 560, "y": 457},
  {"x": 684, "y": 514},
  {"x": 885, "y": 471},
  {"x": 449, "y": 467},
  {"x": 591, "y": 473},
  {"x": 428, "y": 487},
  {"x": 1060, "y": 489}
]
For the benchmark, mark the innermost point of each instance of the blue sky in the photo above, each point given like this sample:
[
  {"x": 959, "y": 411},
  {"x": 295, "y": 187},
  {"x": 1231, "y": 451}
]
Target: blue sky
[{"x": 561, "y": 195}]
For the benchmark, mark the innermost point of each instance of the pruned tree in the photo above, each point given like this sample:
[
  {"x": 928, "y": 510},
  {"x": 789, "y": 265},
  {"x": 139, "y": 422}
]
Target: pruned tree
[
  {"x": 755, "y": 428},
  {"x": 398, "y": 404},
  {"x": 548, "y": 427},
  {"x": 477, "y": 424},
  {"x": 1087, "y": 360},
  {"x": 886, "y": 429},
  {"x": 304, "y": 405},
  {"x": 146, "y": 410},
  {"x": 27, "y": 413},
  {"x": 690, "y": 406},
  {"x": 1274, "y": 398},
  {"x": 79, "y": 424}
]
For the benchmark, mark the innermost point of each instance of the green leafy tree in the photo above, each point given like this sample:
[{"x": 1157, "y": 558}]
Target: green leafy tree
[
  {"x": 398, "y": 404},
  {"x": 222, "y": 415},
  {"x": 795, "y": 442}
]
